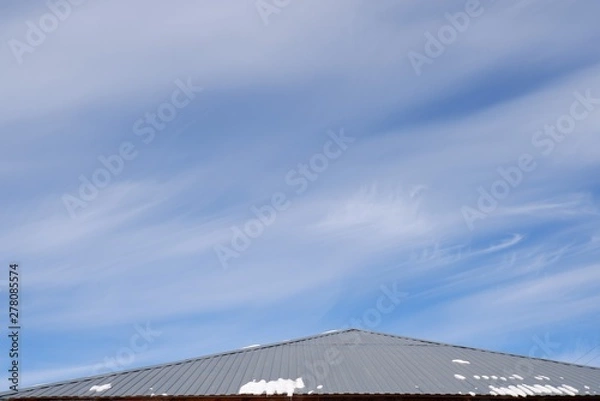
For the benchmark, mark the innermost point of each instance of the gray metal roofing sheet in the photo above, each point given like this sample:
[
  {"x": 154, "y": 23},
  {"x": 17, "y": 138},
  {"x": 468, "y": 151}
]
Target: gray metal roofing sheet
[{"x": 343, "y": 362}]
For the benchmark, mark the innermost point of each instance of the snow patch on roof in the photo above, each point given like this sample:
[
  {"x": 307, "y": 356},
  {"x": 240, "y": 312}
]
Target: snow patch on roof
[
  {"x": 459, "y": 377},
  {"x": 251, "y": 346},
  {"x": 568, "y": 388},
  {"x": 510, "y": 390},
  {"x": 460, "y": 361},
  {"x": 523, "y": 390},
  {"x": 100, "y": 388},
  {"x": 279, "y": 386}
]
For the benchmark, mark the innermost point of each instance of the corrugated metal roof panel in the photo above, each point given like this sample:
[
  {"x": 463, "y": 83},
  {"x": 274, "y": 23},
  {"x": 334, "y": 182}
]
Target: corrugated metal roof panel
[{"x": 345, "y": 362}]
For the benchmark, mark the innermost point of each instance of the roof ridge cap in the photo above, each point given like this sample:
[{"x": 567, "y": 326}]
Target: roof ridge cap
[{"x": 179, "y": 362}]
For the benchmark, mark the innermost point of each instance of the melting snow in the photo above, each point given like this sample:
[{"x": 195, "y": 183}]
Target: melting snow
[
  {"x": 516, "y": 377},
  {"x": 319, "y": 387},
  {"x": 510, "y": 390},
  {"x": 477, "y": 377},
  {"x": 523, "y": 390},
  {"x": 472, "y": 393},
  {"x": 100, "y": 388},
  {"x": 279, "y": 386},
  {"x": 571, "y": 389},
  {"x": 460, "y": 377},
  {"x": 526, "y": 389},
  {"x": 461, "y": 361}
]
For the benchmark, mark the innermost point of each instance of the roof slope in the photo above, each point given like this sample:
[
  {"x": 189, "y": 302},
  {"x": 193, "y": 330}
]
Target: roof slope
[{"x": 342, "y": 362}]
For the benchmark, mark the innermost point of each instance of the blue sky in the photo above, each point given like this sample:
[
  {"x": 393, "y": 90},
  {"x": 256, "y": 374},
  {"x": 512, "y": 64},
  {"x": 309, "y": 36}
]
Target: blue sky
[{"x": 456, "y": 199}]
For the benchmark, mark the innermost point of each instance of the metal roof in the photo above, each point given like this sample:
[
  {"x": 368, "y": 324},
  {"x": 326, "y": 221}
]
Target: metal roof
[{"x": 341, "y": 362}]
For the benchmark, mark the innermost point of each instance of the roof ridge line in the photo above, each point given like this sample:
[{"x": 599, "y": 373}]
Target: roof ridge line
[
  {"x": 482, "y": 350},
  {"x": 180, "y": 362},
  {"x": 397, "y": 336}
]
